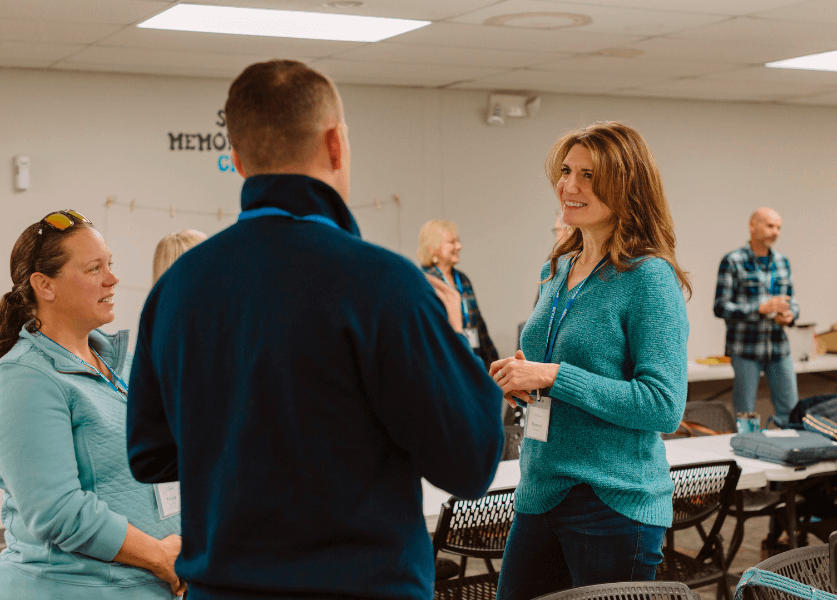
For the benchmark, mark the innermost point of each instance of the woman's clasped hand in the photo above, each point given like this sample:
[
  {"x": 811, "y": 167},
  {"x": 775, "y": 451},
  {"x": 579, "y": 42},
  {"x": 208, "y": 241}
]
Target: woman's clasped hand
[{"x": 518, "y": 377}]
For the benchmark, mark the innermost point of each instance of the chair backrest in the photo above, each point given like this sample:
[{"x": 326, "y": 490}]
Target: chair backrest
[
  {"x": 714, "y": 415},
  {"x": 632, "y": 590},
  {"x": 514, "y": 437},
  {"x": 475, "y": 587},
  {"x": 700, "y": 491},
  {"x": 808, "y": 565},
  {"x": 832, "y": 558},
  {"x": 477, "y": 528}
]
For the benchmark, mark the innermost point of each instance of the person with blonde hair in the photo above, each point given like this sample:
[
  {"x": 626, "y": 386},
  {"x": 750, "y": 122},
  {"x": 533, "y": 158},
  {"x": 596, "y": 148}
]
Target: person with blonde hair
[
  {"x": 438, "y": 252},
  {"x": 171, "y": 247},
  {"x": 602, "y": 367},
  {"x": 78, "y": 526}
]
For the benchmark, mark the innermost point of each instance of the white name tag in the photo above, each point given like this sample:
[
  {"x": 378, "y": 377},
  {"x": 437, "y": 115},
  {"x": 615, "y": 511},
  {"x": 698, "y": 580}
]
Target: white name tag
[
  {"x": 168, "y": 498},
  {"x": 537, "y": 419},
  {"x": 473, "y": 337}
]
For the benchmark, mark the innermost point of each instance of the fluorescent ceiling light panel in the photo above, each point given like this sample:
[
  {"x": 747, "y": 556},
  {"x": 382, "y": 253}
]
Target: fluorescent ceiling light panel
[
  {"x": 279, "y": 23},
  {"x": 824, "y": 61}
]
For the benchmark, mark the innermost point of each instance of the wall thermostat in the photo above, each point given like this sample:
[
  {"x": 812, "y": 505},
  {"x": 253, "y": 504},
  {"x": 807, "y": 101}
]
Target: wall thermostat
[{"x": 21, "y": 172}]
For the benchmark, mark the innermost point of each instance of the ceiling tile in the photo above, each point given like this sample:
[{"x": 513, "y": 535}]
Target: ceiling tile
[
  {"x": 716, "y": 7},
  {"x": 24, "y": 63},
  {"x": 815, "y": 37},
  {"x": 109, "y": 55},
  {"x": 828, "y": 99},
  {"x": 640, "y": 65},
  {"x": 781, "y": 76},
  {"x": 422, "y": 74},
  {"x": 445, "y": 55},
  {"x": 814, "y": 11},
  {"x": 717, "y": 89},
  {"x": 37, "y": 51},
  {"x": 220, "y": 43},
  {"x": 156, "y": 70},
  {"x": 562, "y": 83},
  {"x": 425, "y": 10},
  {"x": 512, "y": 38},
  {"x": 92, "y": 11},
  {"x": 729, "y": 51},
  {"x": 66, "y": 32},
  {"x": 602, "y": 19}
]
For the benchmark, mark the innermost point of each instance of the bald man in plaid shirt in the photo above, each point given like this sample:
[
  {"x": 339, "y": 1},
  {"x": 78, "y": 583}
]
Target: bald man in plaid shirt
[{"x": 755, "y": 297}]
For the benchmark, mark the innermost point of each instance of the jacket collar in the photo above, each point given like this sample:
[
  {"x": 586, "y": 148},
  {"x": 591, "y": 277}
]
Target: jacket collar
[
  {"x": 754, "y": 259},
  {"x": 300, "y": 195},
  {"x": 113, "y": 348}
]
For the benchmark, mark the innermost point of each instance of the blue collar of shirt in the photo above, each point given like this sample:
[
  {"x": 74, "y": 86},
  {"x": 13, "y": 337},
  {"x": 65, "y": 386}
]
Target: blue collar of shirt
[
  {"x": 300, "y": 195},
  {"x": 754, "y": 259}
]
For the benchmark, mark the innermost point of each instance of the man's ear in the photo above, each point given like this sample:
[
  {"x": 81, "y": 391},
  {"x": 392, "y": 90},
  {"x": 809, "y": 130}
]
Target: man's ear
[
  {"x": 42, "y": 286},
  {"x": 236, "y": 159},
  {"x": 334, "y": 145}
]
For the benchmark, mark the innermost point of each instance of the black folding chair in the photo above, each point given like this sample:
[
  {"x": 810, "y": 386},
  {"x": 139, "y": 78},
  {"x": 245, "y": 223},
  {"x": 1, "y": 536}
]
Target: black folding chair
[
  {"x": 475, "y": 528},
  {"x": 702, "y": 491}
]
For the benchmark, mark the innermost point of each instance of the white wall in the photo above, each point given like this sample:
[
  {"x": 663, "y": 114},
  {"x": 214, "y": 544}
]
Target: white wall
[{"x": 93, "y": 135}]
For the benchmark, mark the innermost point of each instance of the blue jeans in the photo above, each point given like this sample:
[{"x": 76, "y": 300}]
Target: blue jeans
[
  {"x": 780, "y": 377},
  {"x": 582, "y": 541}
]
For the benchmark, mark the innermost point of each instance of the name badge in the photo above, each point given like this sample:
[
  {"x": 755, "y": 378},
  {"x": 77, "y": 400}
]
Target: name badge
[
  {"x": 537, "y": 419},
  {"x": 168, "y": 498},
  {"x": 473, "y": 337}
]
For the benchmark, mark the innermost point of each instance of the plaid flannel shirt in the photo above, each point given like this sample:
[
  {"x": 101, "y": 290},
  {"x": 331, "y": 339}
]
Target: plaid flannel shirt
[
  {"x": 743, "y": 285},
  {"x": 487, "y": 351}
]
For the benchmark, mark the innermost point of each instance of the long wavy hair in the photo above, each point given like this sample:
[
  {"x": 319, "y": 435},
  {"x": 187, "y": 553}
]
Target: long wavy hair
[
  {"x": 19, "y": 306},
  {"x": 626, "y": 179}
]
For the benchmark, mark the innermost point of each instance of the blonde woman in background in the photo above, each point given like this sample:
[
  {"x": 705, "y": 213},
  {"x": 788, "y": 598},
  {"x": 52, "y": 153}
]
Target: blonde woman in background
[
  {"x": 171, "y": 247},
  {"x": 438, "y": 252}
]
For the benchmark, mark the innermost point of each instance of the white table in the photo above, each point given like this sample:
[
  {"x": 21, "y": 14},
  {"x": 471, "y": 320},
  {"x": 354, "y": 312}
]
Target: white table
[
  {"x": 701, "y": 372},
  {"x": 717, "y": 447},
  {"x": 754, "y": 474}
]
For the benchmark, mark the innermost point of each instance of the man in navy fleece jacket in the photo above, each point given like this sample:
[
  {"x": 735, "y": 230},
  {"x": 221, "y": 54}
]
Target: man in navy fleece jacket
[{"x": 300, "y": 382}]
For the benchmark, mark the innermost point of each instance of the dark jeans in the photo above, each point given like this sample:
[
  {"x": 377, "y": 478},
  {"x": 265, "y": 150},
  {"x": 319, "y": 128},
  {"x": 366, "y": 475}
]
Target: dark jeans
[{"x": 582, "y": 541}]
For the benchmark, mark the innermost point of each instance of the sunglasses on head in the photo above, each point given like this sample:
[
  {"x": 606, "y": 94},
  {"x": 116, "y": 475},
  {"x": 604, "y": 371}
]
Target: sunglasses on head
[{"x": 59, "y": 220}]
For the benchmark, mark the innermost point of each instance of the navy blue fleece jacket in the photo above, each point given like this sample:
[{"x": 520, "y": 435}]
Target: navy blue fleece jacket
[{"x": 299, "y": 382}]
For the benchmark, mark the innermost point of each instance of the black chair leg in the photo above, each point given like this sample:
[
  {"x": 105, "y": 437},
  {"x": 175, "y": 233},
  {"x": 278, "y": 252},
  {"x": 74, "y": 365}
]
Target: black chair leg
[{"x": 462, "y": 566}]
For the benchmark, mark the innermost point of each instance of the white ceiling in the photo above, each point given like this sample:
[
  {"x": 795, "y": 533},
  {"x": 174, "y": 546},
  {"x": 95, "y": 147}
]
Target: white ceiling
[{"x": 705, "y": 49}]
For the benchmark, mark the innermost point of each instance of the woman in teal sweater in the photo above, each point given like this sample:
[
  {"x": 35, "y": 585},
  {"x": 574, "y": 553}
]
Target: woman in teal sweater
[
  {"x": 602, "y": 367},
  {"x": 78, "y": 525}
]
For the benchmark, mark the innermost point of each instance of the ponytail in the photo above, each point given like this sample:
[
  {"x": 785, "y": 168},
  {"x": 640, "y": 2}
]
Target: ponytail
[
  {"x": 16, "y": 309},
  {"x": 20, "y": 305}
]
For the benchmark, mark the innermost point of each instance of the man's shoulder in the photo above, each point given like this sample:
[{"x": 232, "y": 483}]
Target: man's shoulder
[{"x": 738, "y": 255}]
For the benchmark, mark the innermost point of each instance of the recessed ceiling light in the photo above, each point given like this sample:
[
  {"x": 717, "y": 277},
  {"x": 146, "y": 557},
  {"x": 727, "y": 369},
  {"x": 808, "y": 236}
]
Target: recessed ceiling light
[
  {"x": 345, "y": 4},
  {"x": 279, "y": 23},
  {"x": 824, "y": 61}
]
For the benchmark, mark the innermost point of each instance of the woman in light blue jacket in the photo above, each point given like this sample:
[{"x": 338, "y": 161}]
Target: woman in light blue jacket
[{"x": 78, "y": 526}]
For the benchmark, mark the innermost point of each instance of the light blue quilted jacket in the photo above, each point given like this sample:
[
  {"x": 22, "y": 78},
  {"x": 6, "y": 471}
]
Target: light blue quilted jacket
[{"x": 69, "y": 494}]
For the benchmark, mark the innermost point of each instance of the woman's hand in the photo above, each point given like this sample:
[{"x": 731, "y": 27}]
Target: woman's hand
[
  {"x": 517, "y": 376},
  {"x": 142, "y": 550},
  {"x": 451, "y": 299},
  {"x": 169, "y": 551}
]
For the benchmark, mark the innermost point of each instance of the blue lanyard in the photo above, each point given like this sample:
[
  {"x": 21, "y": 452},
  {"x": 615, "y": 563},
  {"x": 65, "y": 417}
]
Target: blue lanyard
[
  {"x": 458, "y": 282},
  {"x": 122, "y": 392},
  {"x": 278, "y": 212},
  {"x": 549, "y": 339},
  {"x": 769, "y": 274}
]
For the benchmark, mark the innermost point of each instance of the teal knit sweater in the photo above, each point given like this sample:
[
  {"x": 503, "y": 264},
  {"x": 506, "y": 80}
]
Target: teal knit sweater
[{"x": 622, "y": 381}]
